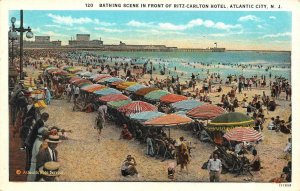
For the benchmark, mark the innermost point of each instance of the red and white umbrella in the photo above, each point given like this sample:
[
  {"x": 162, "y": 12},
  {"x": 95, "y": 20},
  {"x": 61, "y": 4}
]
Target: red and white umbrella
[
  {"x": 241, "y": 134},
  {"x": 136, "y": 107}
]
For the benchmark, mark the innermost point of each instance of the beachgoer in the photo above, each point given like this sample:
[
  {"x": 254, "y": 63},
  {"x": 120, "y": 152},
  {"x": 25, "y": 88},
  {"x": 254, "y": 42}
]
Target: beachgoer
[
  {"x": 47, "y": 96},
  {"x": 49, "y": 172},
  {"x": 125, "y": 133},
  {"x": 99, "y": 123},
  {"x": 255, "y": 163},
  {"x": 42, "y": 135},
  {"x": 215, "y": 167},
  {"x": 129, "y": 166}
]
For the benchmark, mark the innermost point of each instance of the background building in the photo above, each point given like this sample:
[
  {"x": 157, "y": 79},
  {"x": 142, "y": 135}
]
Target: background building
[
  {"x": 83, "y": 41},
  {"x": 42, "y": 42}
]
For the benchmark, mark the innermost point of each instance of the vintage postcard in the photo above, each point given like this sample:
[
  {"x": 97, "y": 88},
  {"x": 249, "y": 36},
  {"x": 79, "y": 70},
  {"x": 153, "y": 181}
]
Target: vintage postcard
[{"x": 133, "y": 94}]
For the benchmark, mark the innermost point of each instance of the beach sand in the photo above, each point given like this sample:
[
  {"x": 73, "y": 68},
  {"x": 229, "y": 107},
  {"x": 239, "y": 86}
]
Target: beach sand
[{"x": 83, "y": 158}]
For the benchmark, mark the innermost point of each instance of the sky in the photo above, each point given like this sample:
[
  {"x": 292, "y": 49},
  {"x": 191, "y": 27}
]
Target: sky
[{"x": 238, "y": 30}]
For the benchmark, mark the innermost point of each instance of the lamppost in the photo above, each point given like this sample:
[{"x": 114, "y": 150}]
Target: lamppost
[{"x": 21, "y": 30}]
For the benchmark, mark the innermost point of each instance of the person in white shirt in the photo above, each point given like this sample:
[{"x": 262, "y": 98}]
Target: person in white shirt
[
  {"x": 288, "y": 148},
  {"x": 214, "y": 167},
  {"x": 271, "y": 125},
  {"x": 76, "y": 93}
]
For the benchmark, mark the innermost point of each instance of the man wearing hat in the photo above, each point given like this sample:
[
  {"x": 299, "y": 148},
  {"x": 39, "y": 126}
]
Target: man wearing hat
[
  {"x": 29, "y": 118},
  {"x": 33, "y": 135},
  {"x": 42, "y": 135},
  {"x": 50, "y": 153},
  {"x": 49, "y": 171}
]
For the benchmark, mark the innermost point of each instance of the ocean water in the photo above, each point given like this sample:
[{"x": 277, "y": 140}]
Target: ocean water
[{"x": 247, "y": 63}]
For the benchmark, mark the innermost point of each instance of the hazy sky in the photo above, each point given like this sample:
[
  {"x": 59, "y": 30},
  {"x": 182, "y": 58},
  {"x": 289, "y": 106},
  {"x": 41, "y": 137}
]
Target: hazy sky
[{"x": 184, "y": 29}]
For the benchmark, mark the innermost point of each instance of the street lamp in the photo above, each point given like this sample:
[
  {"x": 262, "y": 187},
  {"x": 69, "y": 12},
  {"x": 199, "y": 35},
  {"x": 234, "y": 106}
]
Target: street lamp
[{"x": 21, "y": 30}]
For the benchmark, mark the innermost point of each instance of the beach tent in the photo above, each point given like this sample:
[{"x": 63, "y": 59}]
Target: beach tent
[
  {"x": 172, "y": 98},
  {"x": 124, "y": 85},
  {"x": 107, "y": 91},
  {"x": 144, "y": 116},
  {"x": 113, "y": 97},
  {"x": 93, "y": 87},
  {"x": 144, "y": 91},
  {"x": 186, "y": 105},
  {"x": 135, "y": 87},
  {"x": 205, "y": 112},
  {"x": 242, "y": 134},
  {"x": 155, "y": 95},
  {"x": 230, "y": 120},
  {"x": 136, "y": 107},
  {"x": 117, "y": 104}
]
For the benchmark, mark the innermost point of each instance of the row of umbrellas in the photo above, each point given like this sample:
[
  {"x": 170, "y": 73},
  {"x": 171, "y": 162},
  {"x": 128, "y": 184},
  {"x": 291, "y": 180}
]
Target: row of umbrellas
[{"x": 148, "y": 115}]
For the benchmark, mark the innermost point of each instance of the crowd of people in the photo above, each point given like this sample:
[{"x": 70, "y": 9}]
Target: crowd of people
[{"x": 40, "y": 141}]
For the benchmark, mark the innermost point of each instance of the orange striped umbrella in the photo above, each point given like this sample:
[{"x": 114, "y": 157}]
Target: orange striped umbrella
[
  {"x": 172, "y": 98},
  {"x": 243, "y": 134},
  {"x": 169, "y": 120},
  {"x": 136, "y": 107},
  {"x": 75, "y": 79},
  {"x": 81, "y": 81},
  {"x": 144, "y": 91},
  {"x": 93, "y": 87},
  {"x": 113, "y": 97},
  {"x": 101, "y": 76},
  {"x": 205, "y": 112}
]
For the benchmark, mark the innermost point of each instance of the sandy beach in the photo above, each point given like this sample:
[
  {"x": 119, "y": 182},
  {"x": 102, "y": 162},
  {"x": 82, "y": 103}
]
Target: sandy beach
[{"x": 83, "y": 158}]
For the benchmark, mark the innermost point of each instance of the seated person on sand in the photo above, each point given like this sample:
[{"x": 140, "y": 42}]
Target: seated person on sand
[
  {"x": 125, "y": 133},
  {"x": 272, "y": 105},
  {"x": 88, "y": 108},
  {"x": 271, "y": 125},
  {"x": 283, "y": 128},
  {"x": 128, "y": 166},
  {"x": 280, "y": 179},
  {"x": 204, "y": 136},
  {"x": 239, "y": 149},
  {"x": 77, "y": 106},
  {"x": 255, "y": 163},
  {"x": 171, "y": 170}
]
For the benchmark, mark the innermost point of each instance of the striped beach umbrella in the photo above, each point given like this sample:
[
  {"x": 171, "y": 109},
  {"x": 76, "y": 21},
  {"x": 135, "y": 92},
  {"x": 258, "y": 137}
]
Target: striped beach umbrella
[
  {"x": 144, "y": 116},
  {"x": 172, "y": 98},
  {"x": 144, "y": 91},
  {"x": 124, "y": 85},
  {"x": 135, "y": 87},
  {"x": 243, "y": 134},
  {"x": 117, "y": 104},
  {"x": 75, "y": 78},
  {"x": 83, "y": 84},
  {"x": 205, "y": 112},
  {"x": 93, "y": 87},
  {"x": 229, "y": 121},
  {"x": 107, "y": 91},
  {"x": 155, "y": 95},
  {"x": 169, "y": 120},
  {"x": 113, "y": 97},
  {"x": 101, "y": 76},
  {"x": 186, "y": 105},
  {"x": 136, "y": 107},
  {"x": 76, "y": 82}
]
